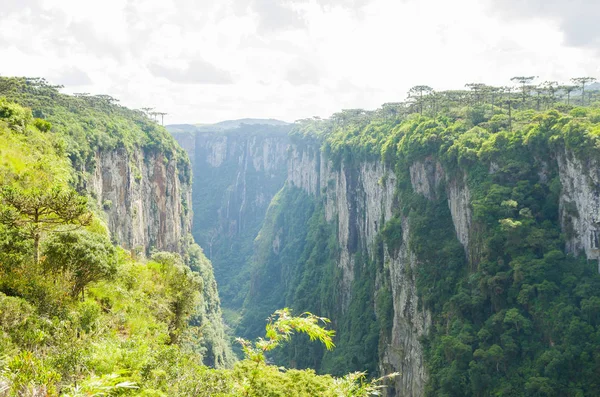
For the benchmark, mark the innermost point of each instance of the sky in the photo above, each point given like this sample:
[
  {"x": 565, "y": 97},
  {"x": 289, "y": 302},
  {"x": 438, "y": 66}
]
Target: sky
[{"x": 204, "y": 61}]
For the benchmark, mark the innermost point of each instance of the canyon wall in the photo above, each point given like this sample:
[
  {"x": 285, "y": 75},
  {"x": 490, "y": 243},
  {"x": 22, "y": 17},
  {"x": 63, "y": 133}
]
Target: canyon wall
[
  {"x": 359, "y": 201},
  {"x": 145, "y": 196}
]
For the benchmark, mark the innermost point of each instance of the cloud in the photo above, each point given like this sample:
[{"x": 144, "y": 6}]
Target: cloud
[
  {"x": 277, "y": 15},
  {"x": 302, "y": 72},
  {"x": 72, "y": 76},
  {"x": 577, "y": 19},
  {"x": 290, "y": 59},
  {"x": 94, "y": 42},
  {"x": 197, "y": 71},
  {"x": 283, "y": 15},
  {"x": 13, "y": 6},
  {"x": 272, "y": 15}
]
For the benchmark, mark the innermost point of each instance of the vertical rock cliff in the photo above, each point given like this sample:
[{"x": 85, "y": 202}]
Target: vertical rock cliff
[
  {"x": 417, "y": 259},
  {"x": 357, "y": 202},
  {"x": 145, "y": 196},
  {"x": 360, "y": 200},
  {"x": 236, "y": 174},
  {"x": 139, "y": 180},
  {"x": 580, "y": 204}
]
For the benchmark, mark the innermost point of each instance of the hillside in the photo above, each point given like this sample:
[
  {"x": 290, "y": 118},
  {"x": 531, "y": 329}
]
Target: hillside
[
  {"x": 237, "y": 173},
  {"x": 75, "y": 232},
  {"x": 223, "y": 125},
  {"x": 452, "y": 239},
  {"x": 90, "y": 303}
]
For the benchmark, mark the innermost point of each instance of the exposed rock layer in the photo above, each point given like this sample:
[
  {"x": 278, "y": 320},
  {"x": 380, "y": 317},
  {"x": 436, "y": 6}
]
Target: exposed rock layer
[
  {"x": 145, "y": 198},
  {"x": 235, "y": 177},
  {"x": 360, "y": 199}
]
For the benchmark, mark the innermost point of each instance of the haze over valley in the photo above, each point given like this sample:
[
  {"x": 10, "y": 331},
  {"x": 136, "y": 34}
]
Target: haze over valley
[{"x": 299, "y": 198}]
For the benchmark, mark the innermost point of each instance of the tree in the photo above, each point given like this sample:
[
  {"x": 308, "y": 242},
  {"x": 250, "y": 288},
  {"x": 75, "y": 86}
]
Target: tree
[
  {"x": 509, "y": 102},
  {"x": 183, "y": 289},
  {"x": 477, "y": 89},
  {"x": 38, "y": 211},
  {"x": 417, "y": 93},
  {"x": 84, "y": 256},
  {"x": 581, "y": 82},
  {"x": 280, "y": 327},
  {"x": 162, "y": 117},
  {"x": 147, "y": 111},
  {"x": 550, "y": 88},
  {"x": 568, "y": 89},
  {"x": 525, "y": 82},
  {"x": 493, "y": 91}
]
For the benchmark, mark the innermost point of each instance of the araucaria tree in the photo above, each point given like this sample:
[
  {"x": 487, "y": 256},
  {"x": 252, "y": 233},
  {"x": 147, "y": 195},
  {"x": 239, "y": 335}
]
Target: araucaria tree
[
  {"x": 37, "y": 211},
  {"x": 568, "y": 89},
  {"x": 418, "y": 93},
  {"x": 525, "y": 82},
  {"x": 581, "y": 82}
]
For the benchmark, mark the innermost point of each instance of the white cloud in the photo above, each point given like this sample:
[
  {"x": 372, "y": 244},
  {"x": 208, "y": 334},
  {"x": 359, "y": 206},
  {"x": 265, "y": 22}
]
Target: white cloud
[
  {"x": 286, "y": 59},
  {"x": 72, "y": 77},
  {"x": 198, "y": 71}
]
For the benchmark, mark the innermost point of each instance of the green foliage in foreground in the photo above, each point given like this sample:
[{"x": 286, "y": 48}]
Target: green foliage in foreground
[{"x": 85, "y": 318}]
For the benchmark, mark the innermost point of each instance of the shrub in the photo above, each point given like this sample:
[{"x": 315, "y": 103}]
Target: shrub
[{"x": 84, "y": 256}]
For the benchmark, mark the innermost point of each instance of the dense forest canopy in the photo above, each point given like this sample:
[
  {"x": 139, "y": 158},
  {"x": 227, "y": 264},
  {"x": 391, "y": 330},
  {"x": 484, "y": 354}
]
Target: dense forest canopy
[{"x": 518, "y": 313}]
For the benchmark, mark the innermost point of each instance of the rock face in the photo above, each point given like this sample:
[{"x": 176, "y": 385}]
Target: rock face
[
  {"x": 236, "y": 174},
  {"x": 145, "y": 196},
  {"x": 235, "y": 178},
  {"x": 359, "y": 200},
  {"x": 580, "y": 204},
  {"x": 403, "y": 352}
]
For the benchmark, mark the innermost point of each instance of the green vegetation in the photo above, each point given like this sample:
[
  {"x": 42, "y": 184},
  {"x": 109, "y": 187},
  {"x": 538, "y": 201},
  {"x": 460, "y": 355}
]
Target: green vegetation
[
  {"x": 82, "y": 311},
  {"x": 515, "y": 314},
  {"x": 84, "y": 124},
  {"x": 303, "y": 274},
  {"x": 81, "y": 317}
]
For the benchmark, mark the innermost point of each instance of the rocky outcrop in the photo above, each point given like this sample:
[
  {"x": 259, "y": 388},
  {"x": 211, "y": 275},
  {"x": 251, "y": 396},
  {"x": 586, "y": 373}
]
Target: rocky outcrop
[
  {"x": 145, "y": 197},
  {"x": 251, "y": 170},
  {"x": 579, "y": 204},
  {"x": 361, "y": 200},
  {"x": 429, "y": 179},
  {"x": 236, "y": 174},
  {"x": 404, "y": 353}
]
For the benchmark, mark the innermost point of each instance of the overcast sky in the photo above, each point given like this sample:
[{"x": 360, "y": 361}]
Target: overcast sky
[{"x": 206, "y": 61}]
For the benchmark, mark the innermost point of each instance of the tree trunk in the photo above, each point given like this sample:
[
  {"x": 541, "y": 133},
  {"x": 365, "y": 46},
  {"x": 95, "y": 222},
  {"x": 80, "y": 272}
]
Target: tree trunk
[{"x": 36, "y": 246}]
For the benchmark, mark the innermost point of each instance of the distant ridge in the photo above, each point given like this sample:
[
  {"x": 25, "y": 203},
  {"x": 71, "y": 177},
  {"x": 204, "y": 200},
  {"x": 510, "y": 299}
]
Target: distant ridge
[
  {"x": 593, "y": 87},
  {"x": 223, "y": 125}
]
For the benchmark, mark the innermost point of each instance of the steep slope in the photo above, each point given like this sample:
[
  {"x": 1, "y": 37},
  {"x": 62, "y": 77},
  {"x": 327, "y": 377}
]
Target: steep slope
[
  {"x": 137, "y": 176},
  {"x": 459, "y": 250},
  {"x": 236, "y": 174},
  {"x": 134, "y": 170}
]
